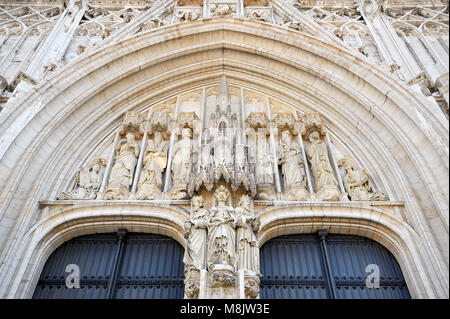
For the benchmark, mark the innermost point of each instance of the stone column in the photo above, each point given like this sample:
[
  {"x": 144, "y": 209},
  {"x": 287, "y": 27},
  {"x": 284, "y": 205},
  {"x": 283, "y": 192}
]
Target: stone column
[
  {"x": 274, "y": 150},
  {"x": 109, "y": 166}
]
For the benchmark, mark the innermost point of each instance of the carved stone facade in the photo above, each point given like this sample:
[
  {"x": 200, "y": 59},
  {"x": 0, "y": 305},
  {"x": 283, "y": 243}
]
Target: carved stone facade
[{"x": 223, "y": 124}]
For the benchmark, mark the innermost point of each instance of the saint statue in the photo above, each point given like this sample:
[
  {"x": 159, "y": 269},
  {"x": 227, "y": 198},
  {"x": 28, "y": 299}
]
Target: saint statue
[
  {"x": 293, "y": 168},
  {"x": 320, "y": 162},
  {"x": 264, "y": 162},
  {"x": 182, "y": 163},
  {"x": 247, "y": 243},
  {"x": 357, "y": 185},
  {"x": 195, "y": 234},
  {"x": 221, "y": 230},
  {"x": 127, "y": 152},
  {"x": 155, "y": 161}
]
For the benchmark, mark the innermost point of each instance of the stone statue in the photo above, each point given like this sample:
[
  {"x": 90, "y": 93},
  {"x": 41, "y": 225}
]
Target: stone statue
[
  {"x": 88, "y": 181},
  {"x": 221, "y": 231},
  {"x": 357, "y": 185},
  {"x": 195, "y": 234},
  {"x": 182, "y": 165},
  {"x": 320, "y": 162},
  {"x": 155, "y": 161},
  {"x": 293, "y": 168},
  {"x": 127, "y": 152},
  {"x": 264, "y": 162},
  {"x": 247, "y": 243},
  {"x": 264, "y": 174}
]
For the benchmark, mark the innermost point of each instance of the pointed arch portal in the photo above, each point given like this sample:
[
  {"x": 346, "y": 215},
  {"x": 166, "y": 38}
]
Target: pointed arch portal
[{"x": 51, "y": 129}]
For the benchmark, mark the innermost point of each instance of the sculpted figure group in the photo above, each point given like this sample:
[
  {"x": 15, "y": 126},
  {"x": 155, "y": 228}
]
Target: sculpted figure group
[
  {"x": 222, "y": 236},
  {"x": 137, "y": 167}
]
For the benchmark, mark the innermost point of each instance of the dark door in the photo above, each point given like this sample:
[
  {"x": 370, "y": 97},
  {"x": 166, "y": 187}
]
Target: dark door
[
  {"x": 135, "y": 266},
  {"x": 334, "y": 266}
]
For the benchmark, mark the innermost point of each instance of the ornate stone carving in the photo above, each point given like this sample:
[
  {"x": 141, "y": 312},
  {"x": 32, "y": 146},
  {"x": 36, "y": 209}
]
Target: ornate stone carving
[
  {"x": 185, "y": 15},
  {"x": 88, "y": 181},
  {"x": 357, "y": 184},
  {"x": 182, "y": 165},
  {"x": 155, "y": 161},
  {"x": 188, "y": 120},
  {"x": 222, "y": 279},
  {"x": 243, "y": 172},
  {"x": 192, "y": 289},
  {"x": 160, "y": 122},
  {"x": 196, "y": 236},
  {"x": 251, "y": 288},
  {"x": 222, "y": 10},
  {"x": 204, "y": 173},
  {"x": 312, "y": 122},
  {"x": 257, "y": 120},
  {"x": 223, "y": 155},
  {"x": 293, "y": 168},
  {"x": 260, "y": 15},
  {"x": 247, "y": 243},
  {"x": 286, "y": 121},
  {"x": 221, "y": 231}
]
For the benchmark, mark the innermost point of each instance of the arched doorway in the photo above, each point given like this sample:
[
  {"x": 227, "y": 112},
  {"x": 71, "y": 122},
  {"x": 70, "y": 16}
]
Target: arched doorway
[
  {"x": 323, "y": 266},
  {"x": 119, "y": 266}
]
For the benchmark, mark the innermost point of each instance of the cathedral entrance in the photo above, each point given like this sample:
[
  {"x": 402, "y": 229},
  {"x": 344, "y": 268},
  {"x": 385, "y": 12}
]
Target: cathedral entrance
[
  {"x": 329, "y": 267},
  {"x": 114, "y": 266}
]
